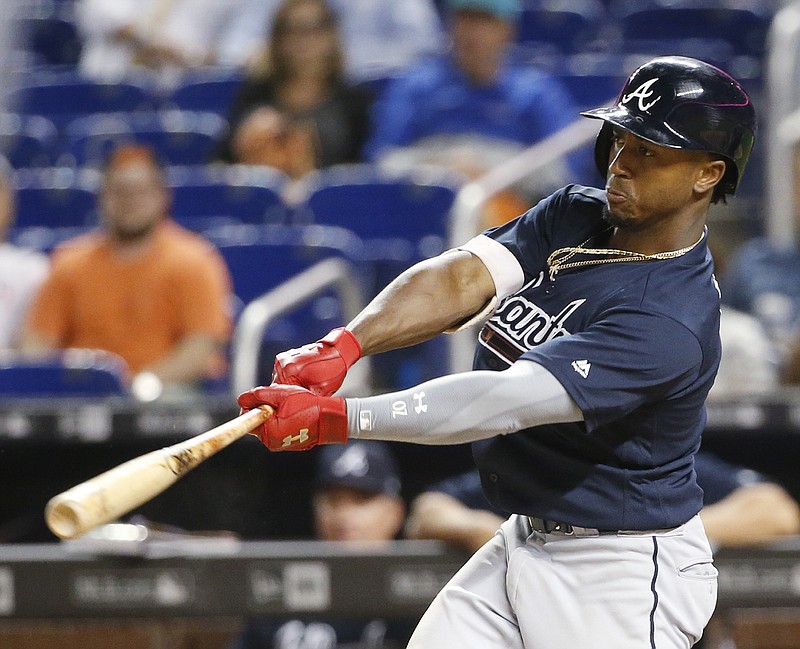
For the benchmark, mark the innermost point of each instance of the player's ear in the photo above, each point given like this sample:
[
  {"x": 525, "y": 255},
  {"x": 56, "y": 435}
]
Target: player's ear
[{"x": 709, "y": 174}]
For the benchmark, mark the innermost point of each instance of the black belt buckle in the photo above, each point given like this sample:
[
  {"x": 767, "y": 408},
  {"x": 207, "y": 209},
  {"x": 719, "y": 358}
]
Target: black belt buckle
[
  {"x": 549, "y": 527},
  {"x": 561, "y": 528}
]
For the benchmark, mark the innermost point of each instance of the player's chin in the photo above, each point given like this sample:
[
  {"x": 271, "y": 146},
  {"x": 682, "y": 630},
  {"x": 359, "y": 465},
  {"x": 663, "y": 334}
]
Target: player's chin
[{"x": 616, "y": 218}]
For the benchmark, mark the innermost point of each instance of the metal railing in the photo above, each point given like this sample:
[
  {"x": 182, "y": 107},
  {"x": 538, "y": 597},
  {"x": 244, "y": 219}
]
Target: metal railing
[
  {"x": 465, "y": 218},
  {"x": 783, "y": 128},
  {"x": 257, "y": 315}
]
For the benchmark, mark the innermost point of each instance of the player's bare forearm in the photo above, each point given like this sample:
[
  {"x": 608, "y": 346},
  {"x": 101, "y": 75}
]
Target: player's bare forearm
[
  {"x": 441, "y": 517},
  {"x": 188, "y": 361},
  {"x": 790, "y": 373},
  {"x": 751, "y": 515},
  {"x": 424, "y": 301}
]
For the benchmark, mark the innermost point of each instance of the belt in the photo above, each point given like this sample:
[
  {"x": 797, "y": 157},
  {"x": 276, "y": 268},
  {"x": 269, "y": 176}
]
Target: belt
[{"x": 543, "y": 526}]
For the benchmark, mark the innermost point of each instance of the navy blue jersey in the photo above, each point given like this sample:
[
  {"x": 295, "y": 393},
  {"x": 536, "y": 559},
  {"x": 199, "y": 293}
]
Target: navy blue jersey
[{"x": 635, "y": 344}]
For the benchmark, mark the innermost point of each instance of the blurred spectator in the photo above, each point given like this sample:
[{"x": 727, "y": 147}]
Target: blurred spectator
[
  {"x": 763, "y": 279},
  {"x": 473, "y": 108},
  {"x": 380, "y": 38},
  {"x": 740, "y": 508},
  {"x": 357, "y": 500},
  {"x": 295, "y": 111},
  {"x": 142, "y": 287},
  {"x": 747, "y": 366},
  {"x": 123, "y": 36},
  {"x": 21, "y": 271}
]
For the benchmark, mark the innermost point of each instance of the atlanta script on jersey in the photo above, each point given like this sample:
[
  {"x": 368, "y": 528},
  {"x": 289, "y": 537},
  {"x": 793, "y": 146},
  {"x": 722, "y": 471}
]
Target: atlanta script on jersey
[{"x": 635, "y": 344}]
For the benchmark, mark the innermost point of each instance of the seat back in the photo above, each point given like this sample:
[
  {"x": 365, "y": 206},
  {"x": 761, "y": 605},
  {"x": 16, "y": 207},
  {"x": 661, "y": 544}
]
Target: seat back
[
  {"x": 261, "y": 258},
  {"x": 28, "y": 140},
  {"x": 178, "y": 137},
  {"x": 53, "y": 40},
  {"x": 399, "y": 217},
  {"x": 72, "y": 373},
  {"x": 56, "y": 197},
  {"x": 204, "y": 195},
  {"x": 742, "y": 29},
  {"x": 213, "y": 93},
  {"x": 62, "y": 98},
  {"x": 560, "y": 26}
]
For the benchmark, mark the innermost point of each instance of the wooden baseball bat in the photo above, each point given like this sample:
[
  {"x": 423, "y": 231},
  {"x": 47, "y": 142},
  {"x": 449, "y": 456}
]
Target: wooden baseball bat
[{"x": 109, "y": 495}]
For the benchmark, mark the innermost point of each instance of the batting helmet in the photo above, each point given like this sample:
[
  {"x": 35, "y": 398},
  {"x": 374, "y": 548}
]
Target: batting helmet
[{"x": 683, "y": 103}]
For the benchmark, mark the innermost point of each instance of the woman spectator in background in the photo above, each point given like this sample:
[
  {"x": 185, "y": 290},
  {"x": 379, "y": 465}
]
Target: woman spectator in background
[{"x": 295, "y": 111}]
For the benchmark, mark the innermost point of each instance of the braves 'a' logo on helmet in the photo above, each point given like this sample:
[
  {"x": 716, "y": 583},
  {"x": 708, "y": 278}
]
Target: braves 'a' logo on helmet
[{"x": 643, "y": 92}]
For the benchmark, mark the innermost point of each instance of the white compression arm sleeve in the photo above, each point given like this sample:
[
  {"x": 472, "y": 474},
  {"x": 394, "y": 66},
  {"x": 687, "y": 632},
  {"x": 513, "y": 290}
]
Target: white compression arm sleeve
[{"x": 464, "y": 407}]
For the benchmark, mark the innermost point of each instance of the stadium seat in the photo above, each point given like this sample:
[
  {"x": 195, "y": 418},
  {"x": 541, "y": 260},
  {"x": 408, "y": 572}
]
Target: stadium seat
[
  {"x": 44, "y": 238},
  {"x": 63, "y": 97},
  {"x": 28, "y": 140},
  {"x": 179, "y": 137},
  {"x": 742, "y": 28},
  {"x": 212, "y": 92},
  {"x": 76, "y": 373},
  {"x": 56, "y": 197},
  {"x": 560, "y": 26},
  {"x": 260, "y": 258},
  {"x": 591, "y": 90},
  {"x": 204, "y": 195},
  {"x": 401, "y": 219}
]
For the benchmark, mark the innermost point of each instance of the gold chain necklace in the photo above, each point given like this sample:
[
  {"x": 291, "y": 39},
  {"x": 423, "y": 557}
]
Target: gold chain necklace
[{"x": 558, "y": 259}]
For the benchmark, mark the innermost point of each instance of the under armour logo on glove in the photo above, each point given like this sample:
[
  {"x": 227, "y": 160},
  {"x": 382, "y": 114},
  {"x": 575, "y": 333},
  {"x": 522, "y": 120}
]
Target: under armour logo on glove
[
  {"x": 301, "y": 420},
  {"x": 290, "y": 439}
]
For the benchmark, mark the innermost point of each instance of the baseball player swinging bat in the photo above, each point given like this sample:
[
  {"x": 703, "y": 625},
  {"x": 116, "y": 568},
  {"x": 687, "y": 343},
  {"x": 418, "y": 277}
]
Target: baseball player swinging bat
[{"x": 119, "y": 490}]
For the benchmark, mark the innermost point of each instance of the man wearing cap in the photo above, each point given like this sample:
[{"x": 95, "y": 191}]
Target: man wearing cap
[
  {"x": 357, "y": 494},
  {"x": 472, "y": 107},
  {"x": 356, "y": 499}
]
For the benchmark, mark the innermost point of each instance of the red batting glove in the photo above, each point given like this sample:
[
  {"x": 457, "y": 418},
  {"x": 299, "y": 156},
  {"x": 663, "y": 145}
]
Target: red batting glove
[
  {"x": 320, "y": 366},
  {"x": 301, "y": 420}
]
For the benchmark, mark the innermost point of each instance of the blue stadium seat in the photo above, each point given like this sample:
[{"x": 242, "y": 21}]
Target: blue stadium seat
[
  {"x": 742, "y": 28},
  {"x": 179, "y": 137},
  {"x": 262, "y": 257},
  {"x": 213, "y": 91},
  {"x": 63, "y": 97},
  {"x": 28, "y": 140},
  {"x": 207, "y": 194},
  {"x": 592, "y": 90},
  {"x": 44, "y": 238},
  {"x": 56, "y": 197},
  {"x": 401, "y": 221},
  {"x": 402, "y": 218},
  {"x": 560, "y": 26},
  {"x": 76, "y": 373}
]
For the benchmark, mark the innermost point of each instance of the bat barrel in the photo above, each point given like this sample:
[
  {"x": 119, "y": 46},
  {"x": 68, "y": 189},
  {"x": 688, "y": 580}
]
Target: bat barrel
[
  {"x": 109, "y": 495},
  {"x": 67, "y": 517}
]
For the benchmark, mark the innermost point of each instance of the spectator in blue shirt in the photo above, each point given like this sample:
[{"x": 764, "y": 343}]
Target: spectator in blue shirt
[{"x": 473, "y": 107}]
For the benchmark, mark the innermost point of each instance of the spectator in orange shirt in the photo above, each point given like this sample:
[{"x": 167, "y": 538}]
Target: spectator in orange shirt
[{"x": 141, "y": 286}]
